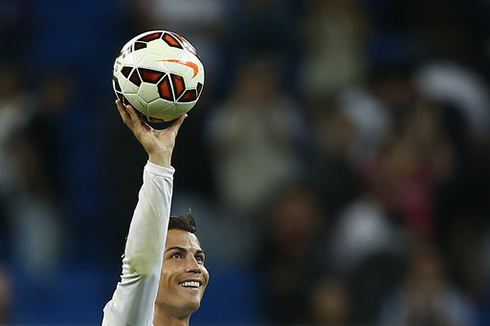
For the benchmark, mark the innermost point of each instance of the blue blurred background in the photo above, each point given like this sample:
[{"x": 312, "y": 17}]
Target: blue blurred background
[{"x": 337, "y": 163}]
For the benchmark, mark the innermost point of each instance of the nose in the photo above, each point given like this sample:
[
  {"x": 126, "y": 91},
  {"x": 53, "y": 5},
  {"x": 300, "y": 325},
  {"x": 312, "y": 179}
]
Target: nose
[{"x": 193, "y": 266}]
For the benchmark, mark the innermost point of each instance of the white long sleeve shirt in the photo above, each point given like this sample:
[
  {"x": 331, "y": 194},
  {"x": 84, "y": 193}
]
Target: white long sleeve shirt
[{"x": 133, "y": 302}]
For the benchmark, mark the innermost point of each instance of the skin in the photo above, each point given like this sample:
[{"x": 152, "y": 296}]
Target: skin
[
  {"x": 183, "y": 261},
  {"x": 184, "y": 257},
  {"x": 159, "y": 144}
]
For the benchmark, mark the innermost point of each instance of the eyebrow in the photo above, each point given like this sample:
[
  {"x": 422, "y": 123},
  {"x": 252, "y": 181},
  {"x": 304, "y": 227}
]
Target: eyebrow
[{"x": 198, "y": 251}]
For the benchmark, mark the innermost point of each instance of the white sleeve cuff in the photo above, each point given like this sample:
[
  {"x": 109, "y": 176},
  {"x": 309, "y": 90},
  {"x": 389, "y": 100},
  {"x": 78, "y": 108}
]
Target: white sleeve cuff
[{"x": 159, "y": 170}]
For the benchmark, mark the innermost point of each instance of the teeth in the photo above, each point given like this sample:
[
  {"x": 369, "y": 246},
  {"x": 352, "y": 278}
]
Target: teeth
[{"x": 193, "y": 284}]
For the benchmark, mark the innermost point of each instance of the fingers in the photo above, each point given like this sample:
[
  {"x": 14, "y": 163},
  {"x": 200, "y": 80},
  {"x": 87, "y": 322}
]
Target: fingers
[
  {"x": 126, "y": 118},
  {"x": 144, "y": 123},
  {"x": 134, "y": 116},
  {"x": 129, "y": 115},
  {"x": 135, "y": 122}
]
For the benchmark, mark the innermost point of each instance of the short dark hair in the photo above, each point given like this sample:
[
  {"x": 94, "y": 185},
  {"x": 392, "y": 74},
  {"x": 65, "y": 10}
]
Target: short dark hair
[{"x": 183, "y": 222}]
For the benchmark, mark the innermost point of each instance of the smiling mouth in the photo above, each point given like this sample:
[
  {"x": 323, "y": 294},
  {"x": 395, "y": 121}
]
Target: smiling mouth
[{"x": 191, "y": 284}]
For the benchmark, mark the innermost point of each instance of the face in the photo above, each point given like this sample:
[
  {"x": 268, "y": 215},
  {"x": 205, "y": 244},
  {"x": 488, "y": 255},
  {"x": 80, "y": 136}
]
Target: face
[{"x": 184, "y": 277}]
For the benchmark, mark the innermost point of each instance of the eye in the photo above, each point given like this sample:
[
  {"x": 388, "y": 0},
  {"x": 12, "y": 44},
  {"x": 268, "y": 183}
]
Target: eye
[
  {"x": 200, "y": 259},
  {"x": 176, "y": 255}
]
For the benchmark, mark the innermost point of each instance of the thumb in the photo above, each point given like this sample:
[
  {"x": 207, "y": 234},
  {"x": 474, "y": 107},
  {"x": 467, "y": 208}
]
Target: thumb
[{"x": 177, "y": 124}]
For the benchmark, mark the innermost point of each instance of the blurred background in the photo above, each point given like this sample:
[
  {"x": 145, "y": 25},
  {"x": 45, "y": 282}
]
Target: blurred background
[{"x": 337, "y": 164}]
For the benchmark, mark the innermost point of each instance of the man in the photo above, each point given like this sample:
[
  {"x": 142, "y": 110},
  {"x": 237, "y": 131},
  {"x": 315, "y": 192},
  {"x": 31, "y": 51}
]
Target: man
[{"x": 163, "y": 274}]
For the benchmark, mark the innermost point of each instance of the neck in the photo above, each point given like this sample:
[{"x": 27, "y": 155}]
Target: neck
[{"x": 162, "y": 318}]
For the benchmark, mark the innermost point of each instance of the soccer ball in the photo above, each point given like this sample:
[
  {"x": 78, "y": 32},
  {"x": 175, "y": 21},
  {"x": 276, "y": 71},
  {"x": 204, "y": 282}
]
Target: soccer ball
[{"x": 160, "y": 74}]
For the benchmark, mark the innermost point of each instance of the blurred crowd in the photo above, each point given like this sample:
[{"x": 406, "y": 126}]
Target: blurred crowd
[{"x": 337, "y": 163}]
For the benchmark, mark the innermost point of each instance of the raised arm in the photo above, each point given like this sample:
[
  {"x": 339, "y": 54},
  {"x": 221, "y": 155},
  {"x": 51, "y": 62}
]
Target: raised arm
[{"x": 134, "y": 298}]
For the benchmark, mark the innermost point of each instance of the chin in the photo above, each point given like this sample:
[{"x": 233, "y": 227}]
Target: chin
[
  {"x": 191, "y": 307},
  {"x": 194, "y": 304}
]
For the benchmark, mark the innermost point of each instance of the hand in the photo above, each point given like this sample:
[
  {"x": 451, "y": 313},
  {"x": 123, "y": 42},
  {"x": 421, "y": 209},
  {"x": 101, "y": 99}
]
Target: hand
[{"x": 159, "y": 144}]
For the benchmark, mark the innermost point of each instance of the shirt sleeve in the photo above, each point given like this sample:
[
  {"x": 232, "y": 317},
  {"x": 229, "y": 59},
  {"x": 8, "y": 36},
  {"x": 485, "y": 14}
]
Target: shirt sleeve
[{"x": 133, "y": 301}]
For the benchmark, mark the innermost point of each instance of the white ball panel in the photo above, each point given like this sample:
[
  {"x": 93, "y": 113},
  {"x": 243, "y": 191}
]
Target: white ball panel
[
  {"x": 148, "y": 92},
  {"x": 174, "y": 53},
  {"x": 158, "y": 47},
  {"x": 182, "y": 108},
  {"x": 137, "y": 102},
  {"x": 136, "y": 57},
  {"x": 157, "y": 108},
  {"x": 153, "y": 62},
  {"x": 127, "y": 86},
  {"x": 169, "y": 114}
]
